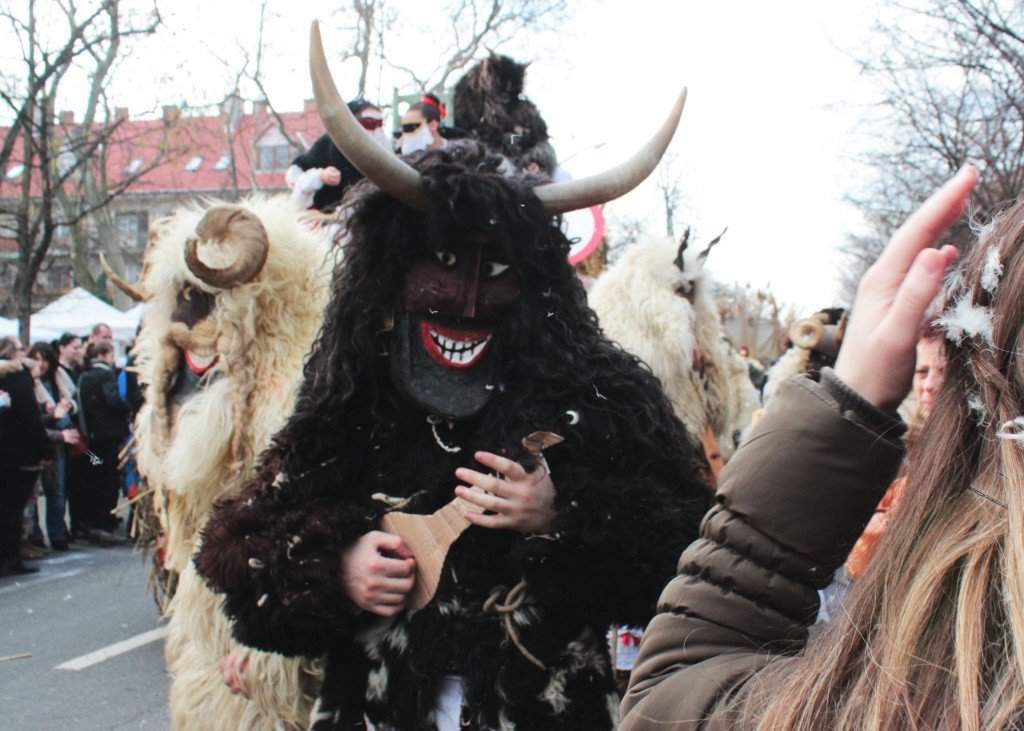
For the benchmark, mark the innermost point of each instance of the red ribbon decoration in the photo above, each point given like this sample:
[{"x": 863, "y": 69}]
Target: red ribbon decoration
[{"x": 442, "y": 110}]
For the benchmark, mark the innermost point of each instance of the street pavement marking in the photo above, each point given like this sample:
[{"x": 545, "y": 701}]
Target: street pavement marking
[
  {"x": 118, "y": 648},
  {"x": 37, "y": 580},
  {"x": 67, "y": 558}
]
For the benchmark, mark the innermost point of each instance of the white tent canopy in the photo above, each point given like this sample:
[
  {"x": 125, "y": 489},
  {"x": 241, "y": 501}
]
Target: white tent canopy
[
  {"x": 78, "y": 311},
  {"x": 10, "y": 327}
]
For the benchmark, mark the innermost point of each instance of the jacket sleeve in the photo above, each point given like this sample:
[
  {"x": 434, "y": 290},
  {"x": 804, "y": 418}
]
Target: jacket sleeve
[
  {"x": 792, "y": 503},
  {"x": 274, "y": 552},
  {"x": 25, "y": 409},
  {"x": 111, "y": 395},
  {"x": 316, "y": 156}
]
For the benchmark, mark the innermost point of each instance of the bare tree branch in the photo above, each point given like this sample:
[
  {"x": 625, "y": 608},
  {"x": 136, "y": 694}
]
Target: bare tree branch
[
  {"x": 952, "y": 92},
  {"x": 64, "y": 168}
]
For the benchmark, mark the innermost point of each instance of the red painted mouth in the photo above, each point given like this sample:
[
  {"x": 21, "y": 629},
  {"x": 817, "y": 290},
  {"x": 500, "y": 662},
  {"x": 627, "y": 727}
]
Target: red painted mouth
[
  {"x": 200, "y": 364},
  {"x": 455, "y": 349}
]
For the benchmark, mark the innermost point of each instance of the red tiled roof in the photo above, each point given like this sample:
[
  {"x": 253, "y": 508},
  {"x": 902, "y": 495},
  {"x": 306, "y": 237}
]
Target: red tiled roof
[{"x": 179, "y": 142}]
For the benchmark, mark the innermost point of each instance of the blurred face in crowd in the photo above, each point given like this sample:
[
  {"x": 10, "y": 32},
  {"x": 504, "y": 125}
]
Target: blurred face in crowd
[
  {"x": 372, "y": 121},
  {"x": 12, "y": 349},
  {"x": 417, "y": 133},
  {"x": 931, "y": 369},
  {"x": 102, "y": 334},
  {"x": 71, "y": 354}
]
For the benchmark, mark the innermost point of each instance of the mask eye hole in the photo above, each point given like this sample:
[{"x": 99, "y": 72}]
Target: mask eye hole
[
  {"x": 445, "y": 258},
  {"x": 492, "y": 269}
]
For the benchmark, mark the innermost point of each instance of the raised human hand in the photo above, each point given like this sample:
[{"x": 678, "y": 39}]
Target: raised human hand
[
  {"x": 877, "y": 355},
  {"x": 233, "y": 668},
  {"x": 378, "y": 573},
  {"x": 62, "y": 409},
  {"x": 519, "y": 500},
  {"x": 330, "y": 175}
]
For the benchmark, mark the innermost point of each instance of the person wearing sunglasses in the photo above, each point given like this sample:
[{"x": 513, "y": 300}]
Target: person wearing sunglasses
[
  {"x": 320, "y": 176},
  {"x": 421, "y": 126}
]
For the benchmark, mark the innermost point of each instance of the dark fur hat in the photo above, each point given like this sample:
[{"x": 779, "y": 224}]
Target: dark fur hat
[{"x": 489, "y": 103}]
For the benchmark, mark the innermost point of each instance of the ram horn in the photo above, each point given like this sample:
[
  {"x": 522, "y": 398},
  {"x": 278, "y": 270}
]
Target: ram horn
[
  {"x": 234, "y": 225},
  {"x": 392, "y": 175},
  {"x": 609, "y": 185},
  {"x": 807, "y": 333},
  {"x": 134, "y": 291}
]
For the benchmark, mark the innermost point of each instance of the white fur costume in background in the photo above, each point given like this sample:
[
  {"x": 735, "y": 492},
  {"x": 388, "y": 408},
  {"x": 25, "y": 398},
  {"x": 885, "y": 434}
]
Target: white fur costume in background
[
  {"x": 792, "y": 362},
  {"x": 638, "y": 304},
  {"x": 264, "y": 329}
]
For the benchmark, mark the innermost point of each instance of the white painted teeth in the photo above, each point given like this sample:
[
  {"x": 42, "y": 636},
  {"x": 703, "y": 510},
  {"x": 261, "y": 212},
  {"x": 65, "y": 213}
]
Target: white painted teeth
[
  {"x": 459, "y": 351},
  {"x": 202, "y": 361}
]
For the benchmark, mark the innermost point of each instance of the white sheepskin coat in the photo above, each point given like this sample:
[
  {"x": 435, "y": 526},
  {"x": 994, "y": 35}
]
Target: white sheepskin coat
[
  {"x": 639, "y": 303},
  {"x": 264, "y": 330}
]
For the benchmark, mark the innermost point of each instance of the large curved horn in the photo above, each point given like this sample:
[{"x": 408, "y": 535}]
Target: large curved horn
[
  {"x": 386, "y": 170},
  {"x": 237, "y": 226},
  {"x": 609, "y": 185},
  {"x": 133, "y": 291}
]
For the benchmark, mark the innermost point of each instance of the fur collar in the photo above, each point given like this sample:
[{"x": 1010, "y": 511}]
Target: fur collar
[{"x": 7, "y": 367}]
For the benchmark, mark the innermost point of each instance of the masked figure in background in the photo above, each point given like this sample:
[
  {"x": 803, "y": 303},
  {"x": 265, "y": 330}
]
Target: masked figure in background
[
  {"x": 656, "y": 302},
  {"x": 815, "y": 342},
  {"x": 236, "y": 295},
  {"x": 320, "y": 176},
  {"x": 457, "y": 341}
]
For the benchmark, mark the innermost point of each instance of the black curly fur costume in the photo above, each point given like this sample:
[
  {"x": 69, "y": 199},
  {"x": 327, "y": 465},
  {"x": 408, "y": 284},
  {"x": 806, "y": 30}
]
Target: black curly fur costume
[{"x": 627, "y": 499}]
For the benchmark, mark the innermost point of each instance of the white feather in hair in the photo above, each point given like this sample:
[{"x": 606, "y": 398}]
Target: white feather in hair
[
  {"x": 992, "y": 272},
  {"x": 967, "y": 320}
]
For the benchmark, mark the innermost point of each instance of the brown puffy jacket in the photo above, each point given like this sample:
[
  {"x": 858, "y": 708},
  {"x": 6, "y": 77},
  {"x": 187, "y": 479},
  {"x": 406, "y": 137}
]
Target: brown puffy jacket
[{"x": 790, "y": 505}]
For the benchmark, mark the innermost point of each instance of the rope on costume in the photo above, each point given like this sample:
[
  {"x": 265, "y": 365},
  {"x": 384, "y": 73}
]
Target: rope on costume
[
  {"x": 514, "y": 600},
  {"x": 450, "y": 449}
]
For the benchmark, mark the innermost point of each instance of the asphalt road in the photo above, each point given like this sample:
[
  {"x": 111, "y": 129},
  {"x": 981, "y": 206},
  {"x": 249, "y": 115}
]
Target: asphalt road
[{"x": 96, "y": 645}]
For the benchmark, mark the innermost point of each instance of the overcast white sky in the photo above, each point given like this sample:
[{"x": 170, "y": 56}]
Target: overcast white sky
[{"x": 765, "y": 142}]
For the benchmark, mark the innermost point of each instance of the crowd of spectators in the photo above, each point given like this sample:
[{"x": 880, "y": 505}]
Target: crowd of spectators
[{"x": 65, "y": 411}]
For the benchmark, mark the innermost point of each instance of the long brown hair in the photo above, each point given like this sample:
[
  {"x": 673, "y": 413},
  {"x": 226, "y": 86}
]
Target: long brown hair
[{"x": 933, "y": 635}]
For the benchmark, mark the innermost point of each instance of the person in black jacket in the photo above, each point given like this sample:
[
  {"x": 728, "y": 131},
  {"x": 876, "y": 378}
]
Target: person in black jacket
[
  {"x": 320, "y": 176},
  {"x": 22, "y": 447},
  {"x": 104, "y": 417}
]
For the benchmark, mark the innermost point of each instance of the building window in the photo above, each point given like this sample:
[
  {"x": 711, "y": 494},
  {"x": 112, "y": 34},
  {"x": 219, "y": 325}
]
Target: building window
[
  {"x": 194, "y": 164},
  {"x": 15, "y": 171},
  {"x": 133, "y": 228},
  {"x": 222, "y": 163},
  {"x": 134, "y": 167},
  {"x": 274, "y": 157},
  {"x": 56, "y": 278}
]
